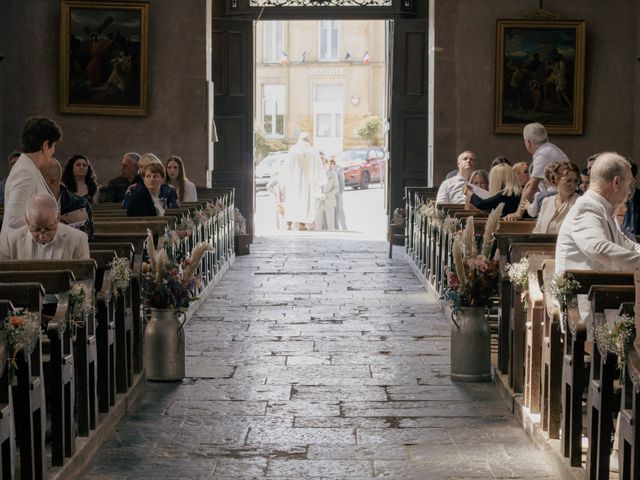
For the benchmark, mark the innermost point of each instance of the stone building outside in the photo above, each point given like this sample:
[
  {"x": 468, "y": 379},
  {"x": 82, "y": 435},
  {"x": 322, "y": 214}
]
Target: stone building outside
[{"x": 323, "y": 77}]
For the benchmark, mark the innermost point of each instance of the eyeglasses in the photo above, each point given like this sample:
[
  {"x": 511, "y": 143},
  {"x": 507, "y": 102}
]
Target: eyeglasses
[{"x": 45, "y": 230}]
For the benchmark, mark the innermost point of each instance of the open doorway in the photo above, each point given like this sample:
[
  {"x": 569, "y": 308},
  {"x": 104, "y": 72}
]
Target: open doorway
[{"x": 328, "y": 78}]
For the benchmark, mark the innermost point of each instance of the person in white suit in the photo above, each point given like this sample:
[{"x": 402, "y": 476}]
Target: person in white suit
[
  {"x": 43, "y": 237},
  {"x": 39, "y": 137},
  {"x": 589, "y": 238}
]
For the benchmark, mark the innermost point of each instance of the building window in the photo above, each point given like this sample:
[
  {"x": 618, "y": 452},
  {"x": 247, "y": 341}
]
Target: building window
[
  {"x": 329, "y": 43},
  {"x": 273, "y": 41},
  {"x": 273, "y": 110}
]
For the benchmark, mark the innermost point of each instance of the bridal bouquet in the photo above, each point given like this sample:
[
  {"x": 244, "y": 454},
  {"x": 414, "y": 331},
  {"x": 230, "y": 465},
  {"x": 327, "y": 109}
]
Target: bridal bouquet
[{"x": 474, "y": 277}]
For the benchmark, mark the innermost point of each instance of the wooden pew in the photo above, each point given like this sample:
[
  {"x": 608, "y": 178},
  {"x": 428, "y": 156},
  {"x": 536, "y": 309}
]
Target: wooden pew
[
  {"x": 507, "y": 234},
  {"x": 629, "y": 447},
  {"x": 105, "y": 330},
  {"x": 59, "y": 370},
  {"x": 138, "y": 242},
  {"x": 536, "y": 254},
  {"x": 552, "y": 356},
  {"x": 28, "y": 394},
  {"x": 602, "y": 400},
  {"x": 84, "y": 336},
  {"x": 573, "y": 368},
  {"x": 7, "y": 434}
]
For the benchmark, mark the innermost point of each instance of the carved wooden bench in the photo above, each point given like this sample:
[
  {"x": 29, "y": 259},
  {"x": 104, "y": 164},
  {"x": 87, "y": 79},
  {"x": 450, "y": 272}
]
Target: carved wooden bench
[
  {"x": 7, "y": 434},
  {"x": 603, "y": 401},
  {"x": 573, "y": 368}
]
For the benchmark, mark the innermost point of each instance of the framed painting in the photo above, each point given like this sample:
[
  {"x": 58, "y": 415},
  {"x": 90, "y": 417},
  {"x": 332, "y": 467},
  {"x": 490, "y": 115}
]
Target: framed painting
[
  {"x": 104, "y": 57},
  {"x": 540, "y": 75}
]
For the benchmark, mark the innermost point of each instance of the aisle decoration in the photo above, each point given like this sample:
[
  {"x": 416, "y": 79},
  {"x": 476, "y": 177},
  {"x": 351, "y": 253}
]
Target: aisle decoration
[
  {"x": 120, "y": 273},
  {"x": 22, "y": 329},
  {"x": 617, "y": 337},
  {"x": 519, "y": 275},
  {"x": 474, "y": 278},
  {"x": 170, "y": 282}
]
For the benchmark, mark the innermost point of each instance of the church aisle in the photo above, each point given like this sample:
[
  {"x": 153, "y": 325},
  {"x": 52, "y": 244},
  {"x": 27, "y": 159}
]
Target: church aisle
[{"x": 319, "y": 359}]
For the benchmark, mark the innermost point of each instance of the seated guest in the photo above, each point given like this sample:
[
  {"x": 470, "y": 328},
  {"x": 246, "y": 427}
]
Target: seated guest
[
  {"x": 480, "y": 178},
  {"x": 118, "y": 186},
  {"x": 533, "y": 207},
  {"x": 521, "y": 169},
  {"x": 451, "y": 190},
  {"x": 166, "y": 190},
  {"x": 500, "y": 160},
  {"x": 584, "y": 180},
  {"x": 554, "y": 208},
  {"x": 620, "y": 216},
  {"x": 13, "y": 158},
  {"x": 503, "y": 188},
  {"x": 177, "y": 177},
  {"x": 73, "y": 209},
  {"x": 79, "y": 178},
  {"x": 43, "y": 237},
  {"x": 147, "y": 201},
  {"x": 589, "y": 238}
]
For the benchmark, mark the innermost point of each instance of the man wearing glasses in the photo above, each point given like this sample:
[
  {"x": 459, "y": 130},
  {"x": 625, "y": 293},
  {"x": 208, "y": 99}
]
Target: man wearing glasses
[{"x": 44, "y": 237}]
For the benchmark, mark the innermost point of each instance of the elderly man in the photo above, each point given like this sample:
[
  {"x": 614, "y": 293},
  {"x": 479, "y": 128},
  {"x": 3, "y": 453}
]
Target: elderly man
[
  {"x": 118, "y": 186},
  {"x": 589, "y": 238},
  {"x": 43, "y": 237},
  {"x": 39, "y": 138},
  {"x": 452, "y": 189},
  {"x": 74, "y": 209},
  {"x": 536, "y": 142}
]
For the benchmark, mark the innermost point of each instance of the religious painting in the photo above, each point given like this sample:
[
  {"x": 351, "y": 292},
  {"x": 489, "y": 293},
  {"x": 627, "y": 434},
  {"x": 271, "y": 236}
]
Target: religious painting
[
  {"x": 539, "y": 75},
  {"x": 104, "y": 57}
]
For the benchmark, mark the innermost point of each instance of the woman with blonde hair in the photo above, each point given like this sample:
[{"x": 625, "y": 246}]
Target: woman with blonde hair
[
  {"x": 177, "y": 177},
  {"x": 503, "y": 188},
  {"x": 480, "y": 178},
  {"x": 554, "y": 209},
  {"x": 521, "y": 169}
]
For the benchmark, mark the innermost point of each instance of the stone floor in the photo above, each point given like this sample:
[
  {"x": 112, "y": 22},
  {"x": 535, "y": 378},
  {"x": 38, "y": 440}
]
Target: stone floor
[{"x": 319, "y": 359}]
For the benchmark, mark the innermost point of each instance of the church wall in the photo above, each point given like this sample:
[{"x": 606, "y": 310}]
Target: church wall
[
  {"x": 176, "y": 122},
  {"x": 464, "y": 80}
]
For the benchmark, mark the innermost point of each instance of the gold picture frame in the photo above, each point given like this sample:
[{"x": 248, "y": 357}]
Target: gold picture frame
[
  {"x": 104, "y": 57},
  {"x": 540, "y": 75}
]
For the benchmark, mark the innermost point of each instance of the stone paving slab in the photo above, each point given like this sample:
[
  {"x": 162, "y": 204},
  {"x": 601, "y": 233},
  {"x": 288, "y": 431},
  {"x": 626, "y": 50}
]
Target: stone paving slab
[{"x": 319, "y": 360}]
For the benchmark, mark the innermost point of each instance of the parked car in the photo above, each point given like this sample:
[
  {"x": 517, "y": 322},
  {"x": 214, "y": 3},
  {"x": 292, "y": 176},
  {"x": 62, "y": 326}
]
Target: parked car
[
  {"x": 265, "y": 168},
  {"x": 362, "y": 166}
]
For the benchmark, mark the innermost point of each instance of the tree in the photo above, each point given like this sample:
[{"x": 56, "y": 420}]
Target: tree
[
  {"x": 370, "y": 129},
  {"x": 264, "y": 145}
]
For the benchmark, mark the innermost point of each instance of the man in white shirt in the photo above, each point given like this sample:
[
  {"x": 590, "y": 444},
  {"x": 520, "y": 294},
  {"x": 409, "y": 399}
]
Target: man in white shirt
[
  {"x": 43, "y": 237},
  {"x": 589, "y": 238},
  {"x": 452, "y": 189},
  {"x": 536, "y": 142}
]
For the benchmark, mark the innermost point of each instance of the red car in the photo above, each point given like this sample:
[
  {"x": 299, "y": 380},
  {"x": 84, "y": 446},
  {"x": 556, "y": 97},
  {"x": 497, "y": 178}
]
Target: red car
[{"x": 362, "y": 166}]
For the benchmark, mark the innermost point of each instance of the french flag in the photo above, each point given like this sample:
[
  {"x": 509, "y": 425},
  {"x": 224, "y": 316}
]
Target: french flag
[
  {"x": 366, "y": 59},
  {"x": 284, "y": 59}
]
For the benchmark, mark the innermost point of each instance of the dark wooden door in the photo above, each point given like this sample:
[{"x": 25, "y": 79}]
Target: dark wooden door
[
  {"x": 408, "y": 160},
  {"x": 232, "y": 65}
]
